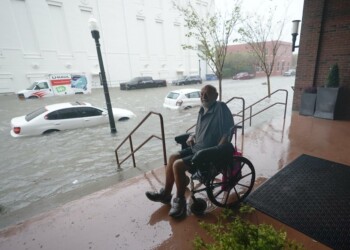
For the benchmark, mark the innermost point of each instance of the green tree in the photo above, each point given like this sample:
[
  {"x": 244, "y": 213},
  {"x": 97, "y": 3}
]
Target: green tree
[
  {"x": 211, "y": 33},
  {"x": 257, "y": 31},
  {"x": 239, "y": 62}
]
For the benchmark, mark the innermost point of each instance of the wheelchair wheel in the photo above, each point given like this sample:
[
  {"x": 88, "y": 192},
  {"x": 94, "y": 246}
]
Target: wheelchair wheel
[
  {"x": 230, "y": 191},
  {"x": 198, "y": 206}
]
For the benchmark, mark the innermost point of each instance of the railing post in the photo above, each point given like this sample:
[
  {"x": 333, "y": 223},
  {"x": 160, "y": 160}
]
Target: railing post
[
  {"x": 116, "y": 156},
  {"x": 243, "y": 116},
  {"x": 285, "y": 105},
  {"x": 163, "y": 139},
  {"x": 250, "y": 115},
  {"x": 132, "y": 152}
]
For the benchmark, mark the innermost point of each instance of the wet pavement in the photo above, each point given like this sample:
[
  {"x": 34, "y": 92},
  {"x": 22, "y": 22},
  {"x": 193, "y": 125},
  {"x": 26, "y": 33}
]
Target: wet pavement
[{"x": 121, "y": 217}]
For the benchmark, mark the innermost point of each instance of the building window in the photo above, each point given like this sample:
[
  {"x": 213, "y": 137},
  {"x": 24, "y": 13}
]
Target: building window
[
  {"x": 25, "y": 27},
  {"x": 59, "y": 28},
  {"x": 142, "y": 38},
  {"x": 86, "y": 33},
  {"x": 159, "y": 41}
]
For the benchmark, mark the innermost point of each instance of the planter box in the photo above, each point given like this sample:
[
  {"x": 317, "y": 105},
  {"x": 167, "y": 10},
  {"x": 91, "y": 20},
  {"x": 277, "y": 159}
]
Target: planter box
[
  {"x": 326, "y": 103},
  {"x": 308, "y": 103}
]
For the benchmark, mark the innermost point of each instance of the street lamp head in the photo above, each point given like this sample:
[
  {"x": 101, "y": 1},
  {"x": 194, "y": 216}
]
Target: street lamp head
[
  {"x": 295, "y": 28},
  {"x": 93, "y": 24},
  {"x": 94, "y": 28},
  {"x": 295, "y": 31}
]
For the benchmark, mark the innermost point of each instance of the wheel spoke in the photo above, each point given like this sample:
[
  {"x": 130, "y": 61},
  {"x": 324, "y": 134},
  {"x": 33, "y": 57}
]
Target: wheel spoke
[{"x": 235, "y": 187}]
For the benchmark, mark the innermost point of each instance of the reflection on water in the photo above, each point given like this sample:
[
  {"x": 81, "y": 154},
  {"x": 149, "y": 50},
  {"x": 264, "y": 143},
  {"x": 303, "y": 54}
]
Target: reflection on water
[{"x": 35, "y": 168}]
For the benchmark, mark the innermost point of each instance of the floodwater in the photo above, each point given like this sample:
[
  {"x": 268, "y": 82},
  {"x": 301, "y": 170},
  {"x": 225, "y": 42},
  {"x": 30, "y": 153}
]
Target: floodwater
[{"x": 41, "y": 172}]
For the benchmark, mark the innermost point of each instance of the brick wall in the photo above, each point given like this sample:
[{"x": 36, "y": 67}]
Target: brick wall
[{"x": 324, "y": 40}]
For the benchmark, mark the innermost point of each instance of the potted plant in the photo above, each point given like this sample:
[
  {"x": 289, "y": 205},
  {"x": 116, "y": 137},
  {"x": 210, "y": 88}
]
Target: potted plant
[
  {"x": 308, "y": 101},
  {"x": 327, "y": 96}
]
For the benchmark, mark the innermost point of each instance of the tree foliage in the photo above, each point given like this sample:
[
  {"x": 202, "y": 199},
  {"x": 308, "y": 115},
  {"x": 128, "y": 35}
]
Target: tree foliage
[
  {"x": 257, "y": 32},
  {"x": 239, "y": 62},
  {"x": 333, "y": 77},
  {"x": 211, "y": 33}
]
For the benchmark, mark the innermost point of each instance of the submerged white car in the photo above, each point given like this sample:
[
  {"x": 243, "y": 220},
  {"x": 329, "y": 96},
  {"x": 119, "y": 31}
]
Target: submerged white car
[
  {"x": 64, "y": 116},
  {"x": 182, "y": 99}
]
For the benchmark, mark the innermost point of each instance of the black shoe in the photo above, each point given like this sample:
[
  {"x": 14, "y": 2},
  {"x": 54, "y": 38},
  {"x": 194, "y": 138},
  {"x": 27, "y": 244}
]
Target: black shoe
[
  {"x": 178, "y": 208},
  {"x": 159, "y": 196}
]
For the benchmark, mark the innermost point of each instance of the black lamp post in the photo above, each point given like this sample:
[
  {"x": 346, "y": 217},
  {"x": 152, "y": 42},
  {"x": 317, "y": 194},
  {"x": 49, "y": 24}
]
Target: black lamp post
[
  {"x": 96, "y": 35},
  {"x": 295, "y": 30}
]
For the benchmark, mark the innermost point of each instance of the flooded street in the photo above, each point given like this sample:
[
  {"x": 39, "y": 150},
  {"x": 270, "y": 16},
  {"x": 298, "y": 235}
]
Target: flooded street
[{"x": 44, "y": 171}]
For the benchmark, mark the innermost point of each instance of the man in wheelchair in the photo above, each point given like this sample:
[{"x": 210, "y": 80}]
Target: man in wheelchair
[{"x": 213, "y": 128}]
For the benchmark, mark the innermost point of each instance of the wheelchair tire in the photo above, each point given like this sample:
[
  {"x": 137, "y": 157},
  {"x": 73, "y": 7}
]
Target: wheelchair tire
[
  {"x": 198, "y": 206},
  {"x": 231, "y": 191}
]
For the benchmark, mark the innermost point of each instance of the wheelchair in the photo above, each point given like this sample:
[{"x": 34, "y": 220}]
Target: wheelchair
[{"x": 222, "y": 172}]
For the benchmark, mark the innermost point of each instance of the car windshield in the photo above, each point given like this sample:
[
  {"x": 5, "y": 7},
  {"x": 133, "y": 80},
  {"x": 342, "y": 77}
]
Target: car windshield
[
  {"x": 173, "y": 95},
  {"x": 35, "y": 113},
  {"x": 182, "y": 77},
  {"x": 134, "y": 80},
  {"x": 32, "y": 86}
]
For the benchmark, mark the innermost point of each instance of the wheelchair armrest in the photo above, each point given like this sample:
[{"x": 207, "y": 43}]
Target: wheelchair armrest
[
  {"x": 218, "y": 153},
  {"x": 181, "y": 139}
]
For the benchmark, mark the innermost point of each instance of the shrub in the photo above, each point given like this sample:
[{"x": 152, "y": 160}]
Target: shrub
[
  {"x": 240, "y": 234},
  {"x": 333, "y": 77}
]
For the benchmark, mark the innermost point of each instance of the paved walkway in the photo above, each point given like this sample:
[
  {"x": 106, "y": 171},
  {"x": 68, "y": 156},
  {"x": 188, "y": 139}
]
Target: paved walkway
[{"x": 121, "y": 217}]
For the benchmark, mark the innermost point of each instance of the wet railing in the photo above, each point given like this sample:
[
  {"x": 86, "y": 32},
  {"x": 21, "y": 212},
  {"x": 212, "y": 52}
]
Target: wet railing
[
  {"x": 129, "y": 138},
  {"x": 250, "y": 107},
  {"x": 241, "y": 113}
]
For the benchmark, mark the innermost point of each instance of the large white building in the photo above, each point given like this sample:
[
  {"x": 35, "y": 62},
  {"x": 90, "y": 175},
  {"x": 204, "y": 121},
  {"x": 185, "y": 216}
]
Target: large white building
[{"x": 138, "y": 37}]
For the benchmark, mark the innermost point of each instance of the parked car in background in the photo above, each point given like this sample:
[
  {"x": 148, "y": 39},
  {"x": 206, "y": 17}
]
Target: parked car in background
[
  {"x": 188, "y": 80},
  {"x": 64, "y": 116},
  {"x": 243, "y": 76},
  {"x": 182, "y": 99},
  {"x": 211, "y": 77},
  {"x": 142, "y": 82},
  {"x": 290, "y": 72}
]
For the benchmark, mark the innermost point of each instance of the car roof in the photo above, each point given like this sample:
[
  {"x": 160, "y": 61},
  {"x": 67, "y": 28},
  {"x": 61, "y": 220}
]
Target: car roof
[
  {"x": 184, "y": 91},
  {"x": 65, "y": 105}
]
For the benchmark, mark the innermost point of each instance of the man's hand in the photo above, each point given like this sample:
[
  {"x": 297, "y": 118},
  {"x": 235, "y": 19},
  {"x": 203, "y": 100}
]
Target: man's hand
[{"x": 190, "y": 140}]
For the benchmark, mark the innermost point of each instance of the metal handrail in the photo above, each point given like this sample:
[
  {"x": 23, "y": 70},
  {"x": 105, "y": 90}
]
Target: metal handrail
[
  {"x": 238, "y": 114},
  {"x": 250, "y": 107},
  {"x": 162, "y": 138}
]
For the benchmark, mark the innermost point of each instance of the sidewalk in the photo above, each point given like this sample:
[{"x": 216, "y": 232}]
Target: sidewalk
[{"x": 121, "y": 217}]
